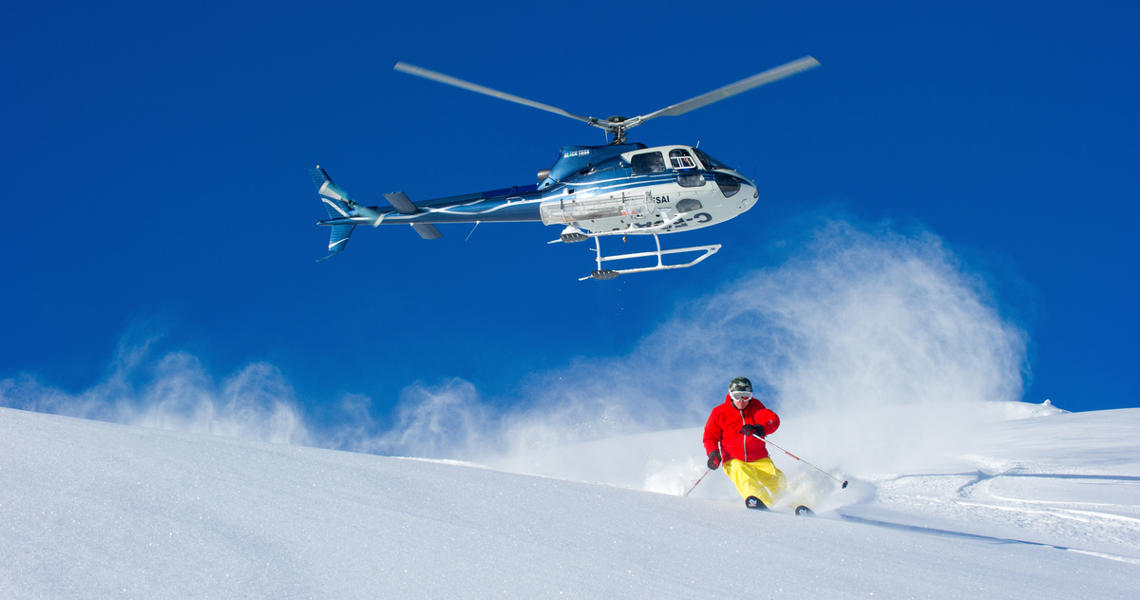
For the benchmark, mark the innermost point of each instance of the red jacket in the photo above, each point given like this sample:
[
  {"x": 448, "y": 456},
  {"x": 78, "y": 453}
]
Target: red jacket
[{"x": 723, "y": 430}]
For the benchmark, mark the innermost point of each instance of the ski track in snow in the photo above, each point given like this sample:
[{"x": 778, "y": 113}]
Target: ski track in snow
[
  {"x": 1075, "y": 486},
  {"x": 969, "y": 505}
]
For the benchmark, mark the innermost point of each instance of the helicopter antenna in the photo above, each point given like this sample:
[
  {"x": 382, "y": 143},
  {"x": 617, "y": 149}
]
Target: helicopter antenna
[{"x": 617, "y": 126}]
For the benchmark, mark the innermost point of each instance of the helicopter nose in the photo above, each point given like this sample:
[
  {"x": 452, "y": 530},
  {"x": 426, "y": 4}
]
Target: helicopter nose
[{"x": 749, "y": 194}]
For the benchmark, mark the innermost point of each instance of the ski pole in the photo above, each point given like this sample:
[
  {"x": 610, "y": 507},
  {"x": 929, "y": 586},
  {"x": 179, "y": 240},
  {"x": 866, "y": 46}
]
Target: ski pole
[
  {"x": 766, "y": 441},
  {"x": 694, "y": 486}
]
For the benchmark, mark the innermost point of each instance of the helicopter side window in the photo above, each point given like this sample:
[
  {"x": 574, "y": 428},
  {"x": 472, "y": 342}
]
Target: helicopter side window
[
  {"x": 681, "y": 159},
  {"x": 647, "y": 163}
]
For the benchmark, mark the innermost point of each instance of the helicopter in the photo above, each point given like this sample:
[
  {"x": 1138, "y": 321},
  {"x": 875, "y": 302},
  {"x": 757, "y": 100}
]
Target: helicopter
[{"x": 617, "y": 189}]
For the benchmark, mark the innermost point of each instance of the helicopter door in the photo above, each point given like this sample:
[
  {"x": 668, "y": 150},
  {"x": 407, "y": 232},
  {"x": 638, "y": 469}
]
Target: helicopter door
[
  {"x": 681, "y": 159},
  {"x": 686, "y": 168}
]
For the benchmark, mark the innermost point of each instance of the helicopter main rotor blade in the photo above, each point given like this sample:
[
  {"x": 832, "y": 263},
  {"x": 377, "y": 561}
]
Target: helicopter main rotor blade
[
  {"x": 732, "y": 89},
  {"x": 480, "y": 89}
]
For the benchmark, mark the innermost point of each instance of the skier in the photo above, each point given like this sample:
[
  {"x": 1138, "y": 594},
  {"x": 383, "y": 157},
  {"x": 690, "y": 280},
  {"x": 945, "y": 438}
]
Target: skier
[{"x": 729, "y": 438}]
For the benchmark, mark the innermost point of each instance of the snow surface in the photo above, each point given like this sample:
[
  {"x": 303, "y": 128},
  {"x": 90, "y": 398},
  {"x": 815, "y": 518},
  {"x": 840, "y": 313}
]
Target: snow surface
[{"x": 1046, "y": 507}]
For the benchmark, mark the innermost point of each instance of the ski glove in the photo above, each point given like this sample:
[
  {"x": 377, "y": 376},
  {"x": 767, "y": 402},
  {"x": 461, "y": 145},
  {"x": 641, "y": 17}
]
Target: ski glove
[
  {"x": 714, "y": 459},
  {"x": 752, "y": 430}
]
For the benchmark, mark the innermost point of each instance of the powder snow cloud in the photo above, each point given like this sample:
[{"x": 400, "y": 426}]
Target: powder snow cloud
[{"x": 885, "y": 338}]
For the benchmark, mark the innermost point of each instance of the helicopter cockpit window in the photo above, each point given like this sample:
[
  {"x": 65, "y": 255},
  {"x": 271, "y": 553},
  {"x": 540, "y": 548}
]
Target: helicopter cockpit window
[
  {"x": 647, "y": 163},
  {"x": 710, "y": 162},
  {"x": 681, "y": 159}
]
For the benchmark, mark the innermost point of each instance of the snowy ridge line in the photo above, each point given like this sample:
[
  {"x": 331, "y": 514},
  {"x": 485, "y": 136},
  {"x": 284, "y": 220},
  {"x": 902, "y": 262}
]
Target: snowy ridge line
[{"x": 977, "y": 536}]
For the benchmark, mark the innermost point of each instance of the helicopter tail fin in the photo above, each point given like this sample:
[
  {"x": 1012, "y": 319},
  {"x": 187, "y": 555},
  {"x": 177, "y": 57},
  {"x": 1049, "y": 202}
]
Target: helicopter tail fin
[
  {"x": 325, "y": 186},
  {"x": 338, "y": 240},
  {"x": 339, "y": 207},
  {"x": 337, "y": 202}
]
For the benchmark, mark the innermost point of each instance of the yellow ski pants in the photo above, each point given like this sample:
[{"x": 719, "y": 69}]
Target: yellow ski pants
[{"x": 759, "y": 478}]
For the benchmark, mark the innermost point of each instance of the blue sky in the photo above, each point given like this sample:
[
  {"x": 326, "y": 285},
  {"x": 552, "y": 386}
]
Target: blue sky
[{"x": 158, "y": 185}]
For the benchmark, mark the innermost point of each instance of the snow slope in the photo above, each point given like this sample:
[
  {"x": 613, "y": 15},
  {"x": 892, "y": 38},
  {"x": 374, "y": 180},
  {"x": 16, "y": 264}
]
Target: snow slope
[{"x": 1046, "y": 507}]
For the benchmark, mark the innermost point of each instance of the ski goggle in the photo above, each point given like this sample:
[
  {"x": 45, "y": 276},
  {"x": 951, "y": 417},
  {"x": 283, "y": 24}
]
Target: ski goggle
[{"x": 740, "y": 395}]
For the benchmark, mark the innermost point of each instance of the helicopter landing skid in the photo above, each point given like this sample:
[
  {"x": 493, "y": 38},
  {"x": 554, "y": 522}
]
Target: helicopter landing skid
[{"x": 603, "y": 274}]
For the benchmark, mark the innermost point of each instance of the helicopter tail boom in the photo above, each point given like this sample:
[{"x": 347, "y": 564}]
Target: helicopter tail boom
[{"x": 345, "y": 214}]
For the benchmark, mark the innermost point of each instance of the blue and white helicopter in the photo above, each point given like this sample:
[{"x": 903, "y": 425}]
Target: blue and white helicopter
[{"x": 618, "y": 189}]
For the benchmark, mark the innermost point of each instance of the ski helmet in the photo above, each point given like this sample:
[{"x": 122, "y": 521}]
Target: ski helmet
[{"x": 740, "y": 384}]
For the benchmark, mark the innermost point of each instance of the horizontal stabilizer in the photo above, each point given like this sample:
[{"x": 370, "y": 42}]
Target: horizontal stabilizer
[
  {"x": 404, "y": 205},
  {"x": 427, "y": 231},
  {"x": 401, "y": 202}
]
